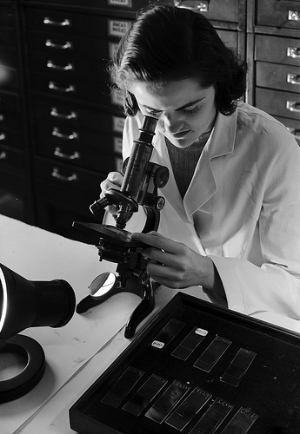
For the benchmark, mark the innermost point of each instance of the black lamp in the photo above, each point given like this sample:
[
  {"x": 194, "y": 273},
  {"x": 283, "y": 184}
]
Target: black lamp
[{"x": 23, "y": 304}]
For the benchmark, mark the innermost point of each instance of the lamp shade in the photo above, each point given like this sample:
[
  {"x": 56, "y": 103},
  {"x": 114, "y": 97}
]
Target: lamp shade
[{"x": 25, "y": 303}]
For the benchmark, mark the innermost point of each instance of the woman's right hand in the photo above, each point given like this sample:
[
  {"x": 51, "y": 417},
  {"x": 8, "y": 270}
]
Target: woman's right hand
[{"x": 114, "y": 180}]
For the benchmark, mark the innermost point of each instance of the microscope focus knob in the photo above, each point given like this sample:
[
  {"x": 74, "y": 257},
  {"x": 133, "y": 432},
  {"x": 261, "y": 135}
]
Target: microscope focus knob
[
  {"x": 161, "y": 176},
  {"x": 159, "y": 203}
]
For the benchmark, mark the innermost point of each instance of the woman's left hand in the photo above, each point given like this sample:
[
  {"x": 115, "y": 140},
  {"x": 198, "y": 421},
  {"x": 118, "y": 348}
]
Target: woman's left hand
[{"x": 175, "y": 265}]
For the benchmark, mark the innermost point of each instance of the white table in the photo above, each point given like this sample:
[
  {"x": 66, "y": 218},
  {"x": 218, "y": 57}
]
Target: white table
[{"x": 78, "y": 353}]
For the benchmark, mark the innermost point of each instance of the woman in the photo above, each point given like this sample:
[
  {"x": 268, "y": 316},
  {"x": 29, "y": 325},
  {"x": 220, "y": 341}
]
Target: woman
[{"x": 231, "y": 220}]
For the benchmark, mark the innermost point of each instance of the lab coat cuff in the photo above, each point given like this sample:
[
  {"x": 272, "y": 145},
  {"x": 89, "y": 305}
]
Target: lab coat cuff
[{"x": 231, "y": 284}]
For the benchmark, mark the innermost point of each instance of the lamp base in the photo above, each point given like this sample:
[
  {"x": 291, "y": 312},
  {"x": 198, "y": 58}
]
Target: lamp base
[{"x": 21, "y": 384}]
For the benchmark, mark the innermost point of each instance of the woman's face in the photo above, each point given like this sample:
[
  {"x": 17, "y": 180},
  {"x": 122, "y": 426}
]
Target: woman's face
[{"x": 184, "y": 109}]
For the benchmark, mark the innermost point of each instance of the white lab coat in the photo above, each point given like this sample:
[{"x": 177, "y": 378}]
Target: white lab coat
[{"x": 242, "y": 209}]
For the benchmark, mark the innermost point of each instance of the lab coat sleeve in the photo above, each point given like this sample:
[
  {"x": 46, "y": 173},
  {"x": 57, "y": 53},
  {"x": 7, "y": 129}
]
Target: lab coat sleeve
[{"x": 274, "y": 286}]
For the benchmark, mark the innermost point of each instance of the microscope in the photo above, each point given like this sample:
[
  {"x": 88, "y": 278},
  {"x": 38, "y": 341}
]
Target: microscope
[{"x": 141, "y": 180}]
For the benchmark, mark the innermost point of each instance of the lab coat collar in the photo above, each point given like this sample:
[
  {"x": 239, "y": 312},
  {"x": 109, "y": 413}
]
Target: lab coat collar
[{"x": 203, "y": 185}]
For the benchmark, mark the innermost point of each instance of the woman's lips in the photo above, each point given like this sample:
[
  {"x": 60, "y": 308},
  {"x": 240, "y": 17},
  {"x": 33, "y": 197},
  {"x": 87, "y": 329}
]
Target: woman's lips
[{"x": 180, "y": 135}]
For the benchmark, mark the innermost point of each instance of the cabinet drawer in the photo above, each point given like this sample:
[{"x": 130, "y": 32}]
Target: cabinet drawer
[
  {"x": 70, "y": 45},
  {"x": 278, "y": 103},
  {"x": 281, "y": 77},
  {"x": 10, "y": 138},
  {"x": 7, "y": 16},
  {"x": 11, "y": 158},
  {"x": 9, "y": 102},
  {"x": 229, "y": 37},
  {"x": 78, "y": 146},
  {"x": 277, "y": 49},
  {"x": 57, "y": 66},
  {"x": 73, "y": 89},
  {"x": 63, "y": 196},
  {"x": 64, "y": 176},
  {"x": 72, "y": 23},
  {"x": 281, "y": 14},
  {"x": 10, "y": 121},
  {"x": 73, "y": 116},
  {"x": 7, "y": 36},
  {"x": 125, "y": 5},
  {"x": 78, "y": 156},
  {"x": 118, "y": 5},
  {"x": 225, "y": 10}
]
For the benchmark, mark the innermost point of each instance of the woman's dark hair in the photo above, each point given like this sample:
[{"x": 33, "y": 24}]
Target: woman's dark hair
[{"x": 167, "y": 43}]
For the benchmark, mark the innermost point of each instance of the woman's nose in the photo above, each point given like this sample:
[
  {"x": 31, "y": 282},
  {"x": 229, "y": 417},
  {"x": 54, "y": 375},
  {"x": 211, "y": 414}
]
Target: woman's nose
[{"x": 172, "y": 122}]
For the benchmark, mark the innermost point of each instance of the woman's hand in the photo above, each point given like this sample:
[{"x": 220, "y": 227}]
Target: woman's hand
[
  {"x": 175, "y": 265},
  {"x": 114, "y": 180}
]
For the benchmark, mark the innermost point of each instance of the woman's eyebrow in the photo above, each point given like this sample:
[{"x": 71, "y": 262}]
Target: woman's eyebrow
[
  {"x": 190, "y": 103},
  {"x": 179, "y": 108}
]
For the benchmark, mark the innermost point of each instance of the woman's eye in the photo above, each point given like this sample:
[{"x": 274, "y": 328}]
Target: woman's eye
[{"x": 191, "y": 111}]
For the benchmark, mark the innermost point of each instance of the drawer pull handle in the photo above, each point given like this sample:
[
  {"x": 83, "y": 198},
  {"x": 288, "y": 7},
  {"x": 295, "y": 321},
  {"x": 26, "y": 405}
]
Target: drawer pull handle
[
  {"x": 60, "y": 154},
  {"x": 293, "y": 106},
  {"x": 294, "y": 15},
  {"x": 194, "y": 5},
  {"x": 293, "y": 52},
  {"x": 3, "y": 155},
  {"x": 54, "y": 112},
  {"x": 68, "y": 89},
  {"x": 58, "y": 134},
  {"x": 68, "y": 67},
  {"x": 67, "y": 46},
  {"x": 63, "y": 23},
  {"x": 293, "y": 79},
  {"x": 57, "y": 175},
  {"x": 295, "y": 132},
  {"x": 2, "y": 137}
]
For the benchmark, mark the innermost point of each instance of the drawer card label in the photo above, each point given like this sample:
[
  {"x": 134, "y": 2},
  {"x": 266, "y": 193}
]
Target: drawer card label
[
  {"x": 118, "y": 28},
  {"x": 127, "y": 3}
]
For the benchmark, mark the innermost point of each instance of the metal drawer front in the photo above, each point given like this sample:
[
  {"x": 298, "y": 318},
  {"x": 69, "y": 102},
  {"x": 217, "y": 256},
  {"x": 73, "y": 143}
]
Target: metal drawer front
[
  {"x": 9, "y": 102},
  {"x": 70, "y": 46},
  {"x": 73, "y": 89},
  {"x": 69, "y": 114},
  {"x": 10, "y": 121},
  {"x": 282, "y": 14},
  {"x": 278, "y": 103},
  {"x": 62, "y": 175},
  {"x": 225, "y": 10},
  {"x": 7, "y": 36},
  {"x": 277, "y": 50},
  {"x": 72, "y": 23},
  {"x": 10, "y": 137},
  {"x": 109, "y": 5},
  {"x": 11, "y": 158},
  {"x": 281, "y": 77},
  {"x": 86, "y": 157},
  {"x": 55, "y": 66},
  {"x": 75, "y": 137}
]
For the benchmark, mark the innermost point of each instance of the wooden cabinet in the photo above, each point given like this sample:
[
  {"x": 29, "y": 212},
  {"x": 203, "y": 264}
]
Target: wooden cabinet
[
  {"x": 61, "y": 127},
  {"x": 274, "y": 56},
  {"x": 76, "y": 124},
  {"x": 15, "y": 174}
]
